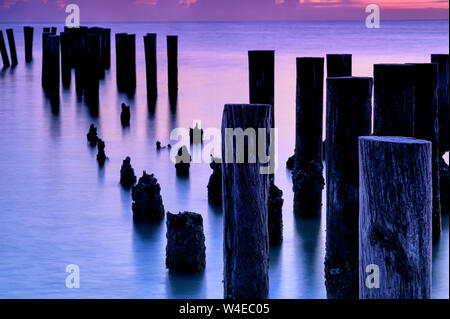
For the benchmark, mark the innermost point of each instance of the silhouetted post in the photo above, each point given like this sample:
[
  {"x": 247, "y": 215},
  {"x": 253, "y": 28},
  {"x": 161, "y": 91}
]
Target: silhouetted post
[
  {"x": 308, "y": 181},
  {"x": 107, "y": 55},
  {"x": 394, "y": 100},
  {"x": 172, "y": 66},
  {"x": 443, "y": 80},
  {"x": 339, "y": 65},
  {"x": 348, "y": 117},
  {"x": 44, "y": 73},
  {"x": 126, "y": 62},
  {"x": 28, "y": 36},
  {"x": 92, "y": 48},
  {"x": 5, "y": 57},
  {"x": 150, "y": 66},
  {"x": 12, "y": 46},
  {"x": 245, "y": 194},
  {"x": 426, "y": 127},
  {"x": 131, "y": 66},
  {"x": 53, "y": 67},
  {"x": 53, "y": 30},
  {"x": 46, "y": 29},
  {"x": 65, "y": 59},
  {"x": 395, "y": 218},
  {"x": 79, "y": 39},
  {"x": 120, "y": 60}
]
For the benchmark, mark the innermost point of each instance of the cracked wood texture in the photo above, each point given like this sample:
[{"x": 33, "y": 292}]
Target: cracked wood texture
[
  {"x": 348, "y": 117},
  {"x": 245, "y": 194},
  {"x": 444, "y": 112},
  {"x": 395, "y": 216}
]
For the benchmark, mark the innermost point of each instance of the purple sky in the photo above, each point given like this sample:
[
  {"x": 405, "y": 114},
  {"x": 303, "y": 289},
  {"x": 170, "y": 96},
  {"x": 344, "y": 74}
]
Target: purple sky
[{"x": 219, "y": 10}]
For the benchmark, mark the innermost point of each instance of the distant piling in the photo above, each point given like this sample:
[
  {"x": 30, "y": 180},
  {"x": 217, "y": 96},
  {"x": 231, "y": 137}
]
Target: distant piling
[
  {"x": 53, "y": 67},
  {"x": 426, "y": 127},
  {"x": 151, "y": 66},
  {"x": 348, "y": 117},
  {"x": 45, "y": 58},
  {"x": 394, "y": 100},
  {"x": 28, "y": 37},
  {"x": 12, "y": 46},
  {"x": 172, "y": 66},
  {"x": 107, "y": 51},
  {"x": 395, "y": 230},
  {"x": 78, "y": 57},
  {"x": 3, "y": 51},
  {"x": 443, "y": 80},
  {"x": 126, "y": 62},
  {"x": 66, "y": 70},
  {"x": 245, "y": 194},
  {"x": 92, "y": 49},
  {"x": 308, "y": 181},
  {"x": 339, "y": 65}
]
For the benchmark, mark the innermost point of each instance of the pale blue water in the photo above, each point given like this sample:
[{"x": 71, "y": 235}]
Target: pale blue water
[{"x": 58, "y": 208}]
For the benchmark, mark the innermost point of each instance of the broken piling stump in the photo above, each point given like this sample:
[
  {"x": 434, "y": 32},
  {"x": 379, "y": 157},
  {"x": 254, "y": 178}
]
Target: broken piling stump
[
  {"x": 349, "y": 112},
  {"x": 196, "y": 135},
  {"x": 101, "y": 156},
  {"x": 12, "y": 46},
  {"x": 92, "y": 135},
  {"x": 245, "y": 196},
  {"x": 185, "y": 250},
  {"x": 183, "y": 161},
  {"x": 3, "y": 51},
  {"x": 127, "y": 177},
  {"x": 215, "y": 183},
  {"x": 28, "y": 37},
  {"x": 125, "y": 115},
  {"x": 147, "y": 201},
  {"x": 395, "y": 211},
  {"x": 307, "y": 176}
]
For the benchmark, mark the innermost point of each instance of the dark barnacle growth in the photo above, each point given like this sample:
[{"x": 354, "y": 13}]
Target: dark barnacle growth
[
  {"x": 147, "y": 201},
  {"x": 182, "y": 161},
  {"x": 185, "y": 250},
  {"x": 92, "y": 135},
  {"x": 196, "y": 135},
  {"x": 125, "y": 115},
  {"x": 101, "y": 156},
  {"x": 127, "y": 177},
  {"x": 215, "y": 182}
]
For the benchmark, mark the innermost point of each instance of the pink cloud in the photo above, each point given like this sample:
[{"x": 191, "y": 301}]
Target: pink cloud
[{"x": 187, "y": 3}]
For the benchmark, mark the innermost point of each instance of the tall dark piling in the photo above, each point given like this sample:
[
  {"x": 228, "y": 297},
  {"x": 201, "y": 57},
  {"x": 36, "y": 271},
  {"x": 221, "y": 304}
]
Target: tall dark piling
[
  {"x": 245, "y": 196},
  {"x": 172, "y": 67},
  {"x": 65, "y": 59},
  {"x": 307, "y": 176},
  {"x": 426, "y": 127},
  {"x": 339, "y": 65},
  {"x": 444, "y": 112},
  {"x": 53, "y": 67},
  {"x": 45, "y": 58},
  {"x": 91, "y": 89},
  {"x": 348, "y": 117},
  {"x": 126, "y": 62},
  {"x": 28, "y": 36},
  {"x": 107, "y": 52},
  {"x": 395, "y": 218},
  {"x": 3, "y": 51},
  {"x": 120, "y": 60},
  {"x": 78, "y": 57},
  {"x": 12, "y": 46},
  {"x": 151, "y": 66},
  {"x": 394, "y": 99}
]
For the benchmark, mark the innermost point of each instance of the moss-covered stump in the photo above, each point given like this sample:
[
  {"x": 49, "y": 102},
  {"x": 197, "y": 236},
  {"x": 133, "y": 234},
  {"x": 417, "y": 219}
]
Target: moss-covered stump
[
  {"x": 215, "y": 184},
  {"x": 185, "y": 250},
  {"x": 147, "y": 201},
  {"x": 92, "y": 135},
  {"x": 275, "y": 215},
  {"x": 183, "y": 161},
  {"x": 308, "y": 184},
  {"x": 127, "y": 177}
]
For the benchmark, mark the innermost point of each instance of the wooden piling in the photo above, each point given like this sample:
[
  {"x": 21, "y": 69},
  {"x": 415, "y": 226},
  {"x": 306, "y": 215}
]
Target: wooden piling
[
  {"x": 3, "y": 51},
  {"x": 348, "y": 117},
  {"x": 444, "y": 111},
  {"x": 53, "y": 66},
  {"x": 394, "y": 100},
  {"x": 395, "y": 218},
  {"x": 172, "y": 66},
  {"x": 66, "y": 70},
  {"x": 126, "y": 62},
  {"x": 151, "y": 66},
  {"x": 91, "y": 90},
  {"x": 28, "y": 37},
  {"x": 308, "y": 181},
  {"x": 12, "y": 46},
  {"x": 245, "y": 194},
  {"x": 120, "y": 57},
  {"x": 44, "y": 72},
  {"x": 107, "y": 55},
  {"x": 78, "y": 40},
  {"x": 339, "y": 65},
  {"x": 426, "y": 127}
]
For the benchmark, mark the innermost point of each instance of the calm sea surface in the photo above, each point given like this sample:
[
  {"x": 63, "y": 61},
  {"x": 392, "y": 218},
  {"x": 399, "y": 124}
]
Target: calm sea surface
[{"x": 58, "y": 208}]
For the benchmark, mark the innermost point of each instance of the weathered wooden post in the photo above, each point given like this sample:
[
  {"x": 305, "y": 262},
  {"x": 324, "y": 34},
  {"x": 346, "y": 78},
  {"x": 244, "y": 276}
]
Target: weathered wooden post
[
  {"x": 3, "y": 51},
  {"x": 307, "y": 176},
  {"x": 245, "y": 195},
  {"x": 443, "y": 80},
  {"x": 131, "y": 65},
  {"x": 394, "y": 100},
  {"x": 44, "y": 73},
  {"x": 120, "y": 60},
  {"x": 91, "y": 90},
  {"x": 426, "y": 127},
  {"x": 395, "y": 218},
  {"x": 172, "y": 66},
  {"x": 28, "y": 35},
  {"x": 107, "y": 55},
  {"x": 126, "y": 62},
  {"x": 65, "y": 59},
  {"x": 150, "y": 66},
  {"x": 53, "y": 67},
  {"x": 339, "y": 65},
  {"x": 53, "y": 30},
  {"x": 12, "y": 46},
  {"x": 79, "y": 39},
  {"x": 348, "y": 117}
]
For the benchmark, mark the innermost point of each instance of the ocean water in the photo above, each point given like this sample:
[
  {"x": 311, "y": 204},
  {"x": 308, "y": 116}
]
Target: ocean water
[{"x": 57, "y": 207}]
